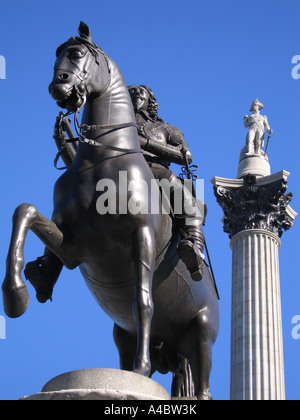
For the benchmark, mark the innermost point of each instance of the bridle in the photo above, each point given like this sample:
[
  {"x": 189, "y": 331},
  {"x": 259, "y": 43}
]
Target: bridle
[{"x": 84, "y": 128}]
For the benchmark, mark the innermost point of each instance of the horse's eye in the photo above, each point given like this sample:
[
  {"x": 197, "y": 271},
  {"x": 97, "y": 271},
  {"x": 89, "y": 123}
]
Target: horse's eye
[{"x": 76, "y": 54}]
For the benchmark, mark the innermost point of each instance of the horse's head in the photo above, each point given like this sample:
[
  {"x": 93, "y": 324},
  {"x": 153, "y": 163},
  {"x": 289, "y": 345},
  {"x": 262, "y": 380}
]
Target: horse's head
[{"x": 81, "y": 71}]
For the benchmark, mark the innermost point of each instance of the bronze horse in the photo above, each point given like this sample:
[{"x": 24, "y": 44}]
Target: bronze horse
[{"x": 163, "y": 319}]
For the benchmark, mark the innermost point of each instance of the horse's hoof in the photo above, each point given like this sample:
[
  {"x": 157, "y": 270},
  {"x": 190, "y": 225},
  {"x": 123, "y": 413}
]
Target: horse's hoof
[
  {"x": 144, "y": 370},
  {"x": 204, "y": 397},
  {"x": 15, "y": 300},
  {"x": 33, "y": 273}
]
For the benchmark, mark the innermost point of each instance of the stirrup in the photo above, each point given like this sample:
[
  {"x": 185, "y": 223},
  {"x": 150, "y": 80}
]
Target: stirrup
[{"x": 193, "y": 258}]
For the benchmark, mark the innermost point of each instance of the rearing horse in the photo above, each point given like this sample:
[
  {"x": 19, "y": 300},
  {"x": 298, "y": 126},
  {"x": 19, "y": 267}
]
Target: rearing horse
[{"x": 128, "y": 259}]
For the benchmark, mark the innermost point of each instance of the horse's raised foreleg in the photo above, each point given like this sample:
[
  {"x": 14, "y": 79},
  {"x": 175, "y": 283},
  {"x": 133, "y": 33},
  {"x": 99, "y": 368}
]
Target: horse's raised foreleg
[
  {"x": 26, "y": 217},
  {"x": 143, "y": 304}
]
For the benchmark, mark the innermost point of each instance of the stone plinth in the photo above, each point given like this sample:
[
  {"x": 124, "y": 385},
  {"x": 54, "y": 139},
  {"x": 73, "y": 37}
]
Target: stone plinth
[
  {"x": 255, "y": 165},
  {"x": 100, "y": 384}
]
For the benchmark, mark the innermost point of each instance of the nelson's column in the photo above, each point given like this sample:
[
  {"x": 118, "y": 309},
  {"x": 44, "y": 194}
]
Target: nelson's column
[{"x": 256, "y": 211}]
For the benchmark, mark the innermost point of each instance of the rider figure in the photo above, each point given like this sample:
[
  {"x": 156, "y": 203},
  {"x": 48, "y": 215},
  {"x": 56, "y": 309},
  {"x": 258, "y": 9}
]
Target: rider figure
[{"x": 153, "y": 130}]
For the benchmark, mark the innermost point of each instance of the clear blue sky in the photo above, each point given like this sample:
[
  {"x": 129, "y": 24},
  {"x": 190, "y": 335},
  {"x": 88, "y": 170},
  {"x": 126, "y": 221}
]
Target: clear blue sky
[{"x": 206, "y": 61}]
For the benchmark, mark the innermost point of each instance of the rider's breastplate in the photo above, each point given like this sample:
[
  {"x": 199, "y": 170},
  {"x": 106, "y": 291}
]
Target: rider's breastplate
[
  {"x": 154, "y": 131},
  {"x": 160, "y": 132}
]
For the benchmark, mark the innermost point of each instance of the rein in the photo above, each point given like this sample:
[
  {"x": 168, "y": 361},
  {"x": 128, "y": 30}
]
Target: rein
[
  {"x": 80, "y": 128},
  {"x": 84, "y": 127}
]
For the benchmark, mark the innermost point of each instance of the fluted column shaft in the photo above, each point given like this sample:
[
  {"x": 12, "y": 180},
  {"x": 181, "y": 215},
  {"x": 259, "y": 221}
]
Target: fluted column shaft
[{"x": 257, "y": 367}]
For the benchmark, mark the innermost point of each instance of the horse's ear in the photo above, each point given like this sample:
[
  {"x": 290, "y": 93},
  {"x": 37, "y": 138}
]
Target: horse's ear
[{"x": 84, "y": 31}]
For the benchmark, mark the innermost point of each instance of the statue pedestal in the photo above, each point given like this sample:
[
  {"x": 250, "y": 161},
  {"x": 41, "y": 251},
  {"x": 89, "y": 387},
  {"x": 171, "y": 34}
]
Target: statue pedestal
[
  {"x": 100, "y": 384},
  {"x": 253, "y": 164}
]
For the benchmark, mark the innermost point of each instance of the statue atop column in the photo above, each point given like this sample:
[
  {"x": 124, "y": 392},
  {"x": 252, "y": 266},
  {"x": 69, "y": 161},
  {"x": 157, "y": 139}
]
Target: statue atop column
[
  {"x": 256, "y": 124},
  {"x": 253, "y": 160}
]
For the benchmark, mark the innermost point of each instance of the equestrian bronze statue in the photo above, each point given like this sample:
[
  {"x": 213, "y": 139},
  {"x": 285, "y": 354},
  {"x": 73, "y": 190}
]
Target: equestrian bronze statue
[{"x": 163, "y": 319}]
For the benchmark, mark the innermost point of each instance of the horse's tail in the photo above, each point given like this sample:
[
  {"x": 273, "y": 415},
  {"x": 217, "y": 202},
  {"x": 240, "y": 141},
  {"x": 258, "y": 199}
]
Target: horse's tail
[
  {"x": 183, "y": 384},
  {"x": 165, "y": 360}
]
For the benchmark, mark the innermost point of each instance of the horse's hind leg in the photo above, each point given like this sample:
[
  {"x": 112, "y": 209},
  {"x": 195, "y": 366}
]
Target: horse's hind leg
[
  {"x": 143, "y": 304},
  {"x": 126, "y": 345},
  {"x": 26, "y": 217},
  {"x": 195, "y": 343}
]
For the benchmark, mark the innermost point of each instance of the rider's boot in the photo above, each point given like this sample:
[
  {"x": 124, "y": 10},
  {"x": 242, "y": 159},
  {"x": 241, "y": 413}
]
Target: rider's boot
[
  {"x": 43, "y": 274},
  {"x": 190, "y": 250}
]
